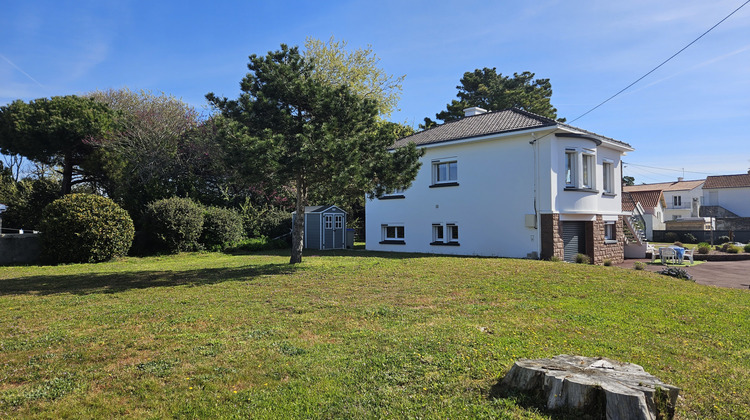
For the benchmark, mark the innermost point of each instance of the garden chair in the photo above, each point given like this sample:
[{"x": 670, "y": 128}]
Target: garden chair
[
  {"x": 668, "y": 254},
  {"x": 650, "y": 249},
  {"x": 689, "y": 255}
]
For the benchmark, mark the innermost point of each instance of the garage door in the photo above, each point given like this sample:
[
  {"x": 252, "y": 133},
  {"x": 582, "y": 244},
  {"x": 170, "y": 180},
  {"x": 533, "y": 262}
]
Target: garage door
[{"x": 574, "y": 242}]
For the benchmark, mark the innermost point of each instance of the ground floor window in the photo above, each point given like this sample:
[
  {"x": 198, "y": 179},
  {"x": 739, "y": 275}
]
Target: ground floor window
[
  {"x": 444, "y": 234},
  {"x": 610, "y": 232},
  {"x": 392, "y": 234}
]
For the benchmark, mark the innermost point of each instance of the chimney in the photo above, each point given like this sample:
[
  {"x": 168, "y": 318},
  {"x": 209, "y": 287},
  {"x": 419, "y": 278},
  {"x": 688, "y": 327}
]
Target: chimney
[
  {"x": 475, "y": 110},
  {"x": 679, "y": 179}
]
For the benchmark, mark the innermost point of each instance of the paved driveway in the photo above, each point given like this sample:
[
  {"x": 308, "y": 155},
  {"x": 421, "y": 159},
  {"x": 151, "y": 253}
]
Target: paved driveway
[{"x": 732, "y": 274}]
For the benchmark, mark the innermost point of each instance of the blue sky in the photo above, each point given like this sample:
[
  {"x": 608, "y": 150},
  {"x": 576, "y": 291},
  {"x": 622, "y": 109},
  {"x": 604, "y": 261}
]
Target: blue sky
[{"x": 692, "y": 114}]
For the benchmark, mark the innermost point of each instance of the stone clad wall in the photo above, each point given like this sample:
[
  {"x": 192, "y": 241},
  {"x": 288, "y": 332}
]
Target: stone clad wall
[
  {"x": 597, "y": 250},
  {"x": 551, "y": 231},
  {"x": 602, "y": 251}
]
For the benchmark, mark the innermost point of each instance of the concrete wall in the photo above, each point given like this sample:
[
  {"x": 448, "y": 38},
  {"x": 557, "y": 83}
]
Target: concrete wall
[
  {"x": 736, "y": 200},
  {"x": 19, "y": 248}
]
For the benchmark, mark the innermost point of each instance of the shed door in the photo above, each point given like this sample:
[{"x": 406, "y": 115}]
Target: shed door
[
  {"x": 574, "y": 239},
  {"x": 328, "y": 231}
]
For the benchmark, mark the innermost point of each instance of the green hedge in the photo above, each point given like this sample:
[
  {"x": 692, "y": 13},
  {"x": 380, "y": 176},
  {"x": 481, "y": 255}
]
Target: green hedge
[
  {"x": 85, "y": 228},
  {"x": 221, "y": 228},
  {"x": 174, "y": 224}
]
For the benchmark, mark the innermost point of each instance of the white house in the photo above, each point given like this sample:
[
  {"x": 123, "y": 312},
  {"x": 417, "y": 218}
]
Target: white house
[
  {"x": 650, "y": 204},
  {"x": 728, "y": 193},
  {"x": 507, "y": 183}
]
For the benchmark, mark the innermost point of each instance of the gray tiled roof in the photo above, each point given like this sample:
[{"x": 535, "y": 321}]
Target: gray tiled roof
[{"x": 505, "y": 121}]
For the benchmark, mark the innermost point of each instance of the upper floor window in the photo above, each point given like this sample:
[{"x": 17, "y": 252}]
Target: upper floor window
[
  {"x": 608, "y": 176},
  {"x": 587, "y": 176},
  {"x": 677, "y": 200},
  {"x": 445, "y": 172},
  {"x": 570, "y": 168}
]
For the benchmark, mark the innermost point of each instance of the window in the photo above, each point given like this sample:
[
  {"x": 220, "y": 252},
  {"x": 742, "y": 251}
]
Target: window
[
  {"x": 339, "y": 222},
  {"x": 437, "y": 233},
  {"x": 444, "y": 173},
  {"x": 452, "y": 232},
  {"x": 587, "y": 177},
  {"x": 580, "y": 167},
  {"x": 608, "y": 173},
  {"x": 328, "y": 220},
  {"x": 444, "y": 234},
  {"x": 570, "y": 168},
  {"x": 677, "y": 201},
  {"x": 392, "y": 234},
  {"x": 610, "y": 232}
]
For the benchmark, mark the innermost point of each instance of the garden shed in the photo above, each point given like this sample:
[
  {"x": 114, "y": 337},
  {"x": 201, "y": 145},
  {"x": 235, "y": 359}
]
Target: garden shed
[{"x": 325, "y": 227}]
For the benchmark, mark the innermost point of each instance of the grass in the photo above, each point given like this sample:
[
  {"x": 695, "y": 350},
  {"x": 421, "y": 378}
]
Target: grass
[
  {"x": 348, "y": 335},
  {"x": 685, "y": 263}
]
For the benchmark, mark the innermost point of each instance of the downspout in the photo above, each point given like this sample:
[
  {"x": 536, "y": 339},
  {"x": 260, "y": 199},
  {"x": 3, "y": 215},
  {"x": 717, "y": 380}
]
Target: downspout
[{"x": 534, "y": 146}]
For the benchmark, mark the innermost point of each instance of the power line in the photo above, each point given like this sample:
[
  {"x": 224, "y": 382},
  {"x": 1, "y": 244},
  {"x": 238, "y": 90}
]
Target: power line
[
  {"x": 667, "y": 169},
  {"x": 663, "y": 63}
]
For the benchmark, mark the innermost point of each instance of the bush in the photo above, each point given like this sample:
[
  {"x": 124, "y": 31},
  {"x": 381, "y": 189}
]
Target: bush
[
  {"x": 174, "y": 224},
  {"x": 689, "y": 238},
  {"x": 221, "y": 228},
  {"x": 676, "y": 272},
  {"x": 724, "y": 239},
  {"x": 725, "y": 246},
  {"x": 639, "y": 265},
  {"x": 703, "y": 248},
  {"x": 678, "y": 243},
  {"x": 258, "y": 244},
  {"x": 85, "y": 228},
  {"x": 747, "y": 248},
  {"x": 582, "y": 259},
  {"x": 607, "y": 262},
  {"x": 671, "y": 237},
  {"x": 732, "y": 249},
  {"x": 554, "y": 259}
]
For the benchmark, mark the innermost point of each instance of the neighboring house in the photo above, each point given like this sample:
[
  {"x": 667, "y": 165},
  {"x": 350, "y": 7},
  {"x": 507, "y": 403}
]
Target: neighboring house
[
  {"x": 325, "y": 227},
  {"x": 727, "y": 195},
  {"x": 682, "y": 198},
  {"x": 650, "y": 204},
  {"x": 508, "y": 183}
]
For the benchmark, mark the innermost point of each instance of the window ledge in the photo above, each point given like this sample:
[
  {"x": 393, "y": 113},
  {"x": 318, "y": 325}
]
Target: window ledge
[
  {"x": 610, "y": 241},
  {"x": 393, "y": 242},
  {"x": 445, "y": 243},
  {"x": 606, "y": 194},
  {"x": 444, "y": 184},
  {"x": 391, "y": 197},
  {"x": 587, "y": 190}
]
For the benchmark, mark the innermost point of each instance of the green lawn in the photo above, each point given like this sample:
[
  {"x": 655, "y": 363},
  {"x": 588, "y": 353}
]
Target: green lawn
[{"x": 348, "y": 335}]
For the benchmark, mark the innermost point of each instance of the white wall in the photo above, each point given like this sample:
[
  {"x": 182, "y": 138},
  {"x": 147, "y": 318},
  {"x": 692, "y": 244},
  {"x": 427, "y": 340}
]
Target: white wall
[
  {"x": 685, "y": 209},
  {"x": 495, "y": 193},
  {"x": 736, "y": 200}
]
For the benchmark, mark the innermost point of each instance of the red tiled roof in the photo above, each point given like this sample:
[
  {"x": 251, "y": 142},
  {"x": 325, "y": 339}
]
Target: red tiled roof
[
  {"x": 665, "y": 186},
  {"x": 728, "y": 181},
  {"x": 648, "y": 199}
]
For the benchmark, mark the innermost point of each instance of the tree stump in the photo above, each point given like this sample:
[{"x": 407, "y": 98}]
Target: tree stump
[{"x": 600, "y": 387}]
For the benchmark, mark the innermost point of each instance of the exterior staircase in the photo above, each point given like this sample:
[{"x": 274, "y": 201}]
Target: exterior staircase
[{"x": 634, "y": 227}]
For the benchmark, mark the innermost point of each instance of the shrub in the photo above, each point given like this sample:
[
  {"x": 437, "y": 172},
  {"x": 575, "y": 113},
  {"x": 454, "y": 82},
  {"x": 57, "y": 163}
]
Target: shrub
[
  {"x": 85, "y": 228},
  {"x": 607, "y": 262},
  {"x": 676, "y": 272},
  {"x": 689, "y": 238},
  {"x": 747, "y": 248},
  {"x": 732, "y": 249},
  {"x": 582, "y": 259},
  {"x": 726, "y": 246},
  {"x": 639, "y": 265},
  {"x": 704, "y": 248},
  {"x": 174, "y": 224},
  {"x": 724, "y": 239},
  {"x": 554, "y": 259},
  {"x": 671, "y": 237},
  {"x": 678, "y": 243},
  {"x": 221, "y": 228},
  {"x": 258, "y": 244}
]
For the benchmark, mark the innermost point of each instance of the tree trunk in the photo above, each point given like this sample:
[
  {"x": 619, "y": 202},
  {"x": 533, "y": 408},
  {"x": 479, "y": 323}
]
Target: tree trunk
[
  {"x": 298, "y": 230},
  {"x": 600, "y": 387},
  {"x": 67, "y": 176}
]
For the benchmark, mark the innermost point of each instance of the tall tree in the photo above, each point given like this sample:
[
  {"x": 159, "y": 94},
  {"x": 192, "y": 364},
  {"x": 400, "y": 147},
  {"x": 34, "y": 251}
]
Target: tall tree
[
  {"x": 488, "y": 89},
  {"x": 55, "y": 132},
  {"x": 359, "y": 69},
  {"x": 310, "y": 133}
]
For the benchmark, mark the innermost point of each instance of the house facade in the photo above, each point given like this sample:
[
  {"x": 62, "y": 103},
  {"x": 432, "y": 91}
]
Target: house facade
[
  {"x": 508, "y": 183},
  {"x": 728, "y": 194}
]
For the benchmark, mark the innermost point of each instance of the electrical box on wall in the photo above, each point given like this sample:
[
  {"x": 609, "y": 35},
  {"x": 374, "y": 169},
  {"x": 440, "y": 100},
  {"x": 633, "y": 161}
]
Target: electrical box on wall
[{"x": 531, "y": 221}]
